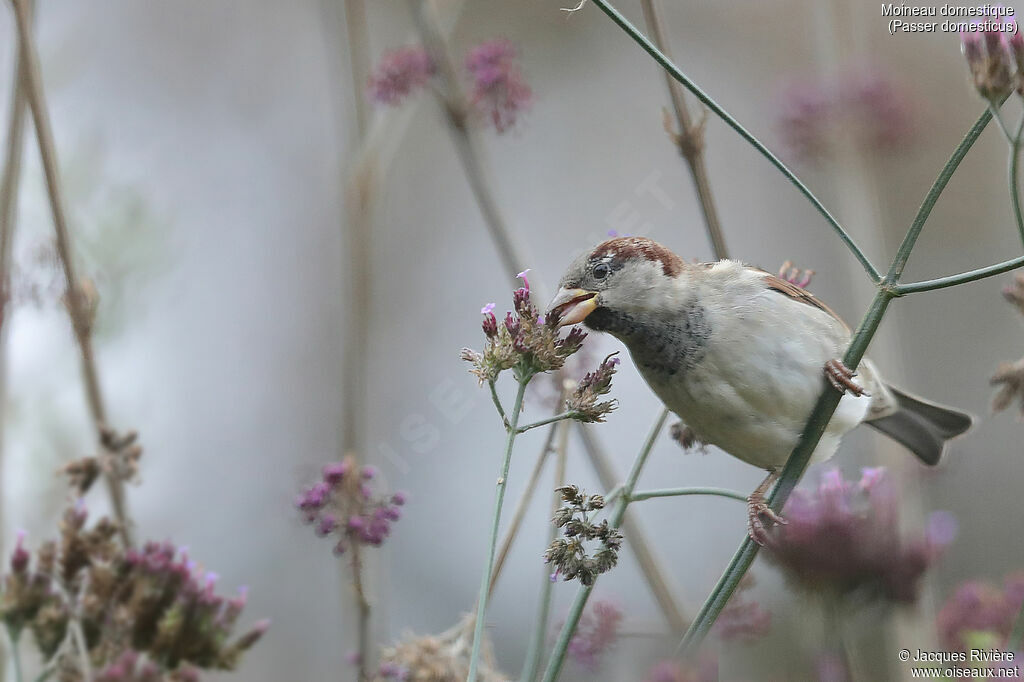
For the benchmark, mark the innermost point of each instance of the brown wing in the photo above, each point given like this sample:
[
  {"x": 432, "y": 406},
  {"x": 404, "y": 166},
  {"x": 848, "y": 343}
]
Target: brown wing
[{"x": 799, "y": 294}]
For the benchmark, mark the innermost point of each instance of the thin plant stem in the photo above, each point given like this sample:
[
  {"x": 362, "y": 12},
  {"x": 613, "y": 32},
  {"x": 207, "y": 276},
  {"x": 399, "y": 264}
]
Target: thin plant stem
[
  {"x": 1012, "y": 174},
  {"x": 12, "y": 646},
  {"x": 992, "y": 107},
  {"x": 653, "y": 572},
  {"x": 497, "y": 403},
  {"x": 9, "y": 185},
  {"x": 615, "y": 520},
  {"x": 679, "y": 492},
  {"x": 75, "y": 298},
  {"x": 690, "y": 138},
  {"x": 715, "y": 108},
  {"x": 829, "y": 400},
  {"x": 357, "y": 32},
  {"x": 502, "y": 484},
  {"x": 571, "y": 414},
  {"x": 961, "y": 278},
  {"x": 539, "y": 634},
  {"x": 1016, "y": 638},
  {"x": 362, "y": 616},
  {"x": 524, "y": 501},
  {"x": 75, "y": 626}
]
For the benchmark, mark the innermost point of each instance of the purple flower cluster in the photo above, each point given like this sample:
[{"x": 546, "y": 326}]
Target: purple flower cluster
[
  {"x": 584, "y": 399},
  {"x": 864, "y": 105},
  {"x": 524, "y": 341},
  {"x": 399, "y": 74},
  {"x": 845, "y": 539},
  {"x": 996, "y": 61},
  {"x": 343, "y": 505},
  {"x": 743, "y": 619},
  {"x": 981, "y": 607},
  {"x": 499, "y": 93},
  {"x": 597, "y": 631}
]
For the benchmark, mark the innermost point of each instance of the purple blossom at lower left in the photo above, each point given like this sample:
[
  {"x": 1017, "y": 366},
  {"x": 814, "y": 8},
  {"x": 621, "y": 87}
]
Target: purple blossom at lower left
[{"x": 342, "y": 505}]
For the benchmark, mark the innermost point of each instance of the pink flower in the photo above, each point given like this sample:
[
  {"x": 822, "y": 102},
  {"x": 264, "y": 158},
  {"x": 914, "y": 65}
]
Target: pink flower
[
  {"x": 596, "y": 632},
  {"x": 499, "y": 91},
  {"x": 399, "y": 74},
  {"x": 980, "y": 607}
]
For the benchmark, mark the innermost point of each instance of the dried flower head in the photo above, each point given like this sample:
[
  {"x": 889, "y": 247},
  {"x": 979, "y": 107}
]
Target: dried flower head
[
  {"x": 499, "y": 93},
  {"x": 845, "y": 539},
  {"x": 596, "y": 632},
  {"x": 991, "y": 60},
  {"x": 524, "y": 342},
  {"x": 145, "y": 615},
  {"x": 1015, "y": 293},
  {"x": 436, "y": 658},
  {"x": 743, "y": 619},
  {"x": 399, "y": 74},
  {"x": 583, "y": 401},
  {"x": 568, "y": 553},
  {"x": 118, "y": 459},
  {"x": 978, "y": 607},
  {"x": 1009, "y": 379},
  {"x": 343, "y": 506}
]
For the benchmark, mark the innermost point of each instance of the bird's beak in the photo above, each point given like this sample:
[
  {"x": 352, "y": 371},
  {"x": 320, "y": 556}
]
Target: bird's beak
[{"x": 572, "y": 305}]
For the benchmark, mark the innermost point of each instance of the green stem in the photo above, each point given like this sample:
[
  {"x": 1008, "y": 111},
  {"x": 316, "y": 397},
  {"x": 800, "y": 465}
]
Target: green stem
[
  {"x": 678, "y": 492},
  {"x": 992, "y": 107},
  {"x": 485, "y": 583},
  {"x": 540, "y": 630},
  {"x": 571, "y": 414},
  {"x": 678, "y": 75},
  {"x": 615, "y": 520},
  {"x": 12, "y": 644},
  {"x": 961, "y": 278},
  {"x": 497, "y": 404},
  {"x": 1012, "y": 173}
]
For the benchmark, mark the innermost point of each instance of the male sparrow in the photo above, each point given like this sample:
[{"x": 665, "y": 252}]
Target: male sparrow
[{"x": 740, "y": 355}]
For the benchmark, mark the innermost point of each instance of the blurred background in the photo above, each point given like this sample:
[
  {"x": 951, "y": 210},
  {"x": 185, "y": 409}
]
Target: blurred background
[{"x": 208, "y": 151}]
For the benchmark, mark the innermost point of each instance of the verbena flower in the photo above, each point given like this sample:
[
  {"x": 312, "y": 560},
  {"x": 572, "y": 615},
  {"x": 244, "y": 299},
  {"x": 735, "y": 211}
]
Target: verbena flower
[
  {"x": 596, "y": 632},
  {"x": 569, "y": 554},
  {"x": 399, "y": 74},
  {"x": 583, "y": 401},
  {"x": 523, "y": 342},
  {"x": 979, "y": 608},
  {"x": 436, "y": 658},
  {"x": 794, "y": 275},
  {"x": 991, "y": 60},
  {"x": 864, "y": 105},
  {"x": 743, "y": 619},
  {"x": 845, "y": 539},
  {"x": 343, "y": 506},
  {"x": 499, "y": 93},
  {"x": 146, "y": 614}
]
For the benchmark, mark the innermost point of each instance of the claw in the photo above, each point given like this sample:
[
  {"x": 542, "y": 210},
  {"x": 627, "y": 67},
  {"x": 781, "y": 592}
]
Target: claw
[
  {"x": 760, "y": 517},
  {"x": 841, "y": 378}
]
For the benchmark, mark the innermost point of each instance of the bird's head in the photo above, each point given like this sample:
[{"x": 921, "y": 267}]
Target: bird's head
[{"x": 621, "y": 275}]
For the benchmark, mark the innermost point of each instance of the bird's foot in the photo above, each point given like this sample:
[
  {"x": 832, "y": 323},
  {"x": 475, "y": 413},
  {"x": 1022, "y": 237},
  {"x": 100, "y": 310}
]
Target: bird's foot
[
  {"x": 841, "y": 378},
  {"x": 685, "y": 436},
  {"x": 761, "y": 517}
]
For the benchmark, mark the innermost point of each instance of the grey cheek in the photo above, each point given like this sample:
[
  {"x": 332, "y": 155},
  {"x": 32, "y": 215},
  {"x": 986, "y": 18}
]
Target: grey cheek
[{"x": 666, "y": 346}]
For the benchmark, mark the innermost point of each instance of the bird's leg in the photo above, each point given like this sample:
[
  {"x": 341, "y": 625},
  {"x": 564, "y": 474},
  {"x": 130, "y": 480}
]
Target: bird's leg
[
  {"x": 841, "y": 378},
  {"x": 685, "y": 436},
  {"x": 758, "y": 512}
]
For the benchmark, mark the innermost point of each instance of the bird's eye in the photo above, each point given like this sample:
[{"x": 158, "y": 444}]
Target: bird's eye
[{"x": 601, "y": 270}]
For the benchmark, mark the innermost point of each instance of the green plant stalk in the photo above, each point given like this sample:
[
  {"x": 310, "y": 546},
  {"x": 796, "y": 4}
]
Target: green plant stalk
[
  {"x": 571, "y": 414},
  {"x": 1012, "y": 177},
  {"x": 961, "y": 278},
  {"x": 829, "y": 400},
  {"x": 485, "y": 583},
  {"x": 679, "y": 492},
  {"x": 711, "y": 104},
  {"x": 615, "y": 520},
  {"x": 12, "y": 644},
  {"x": 539, "y": 634}
]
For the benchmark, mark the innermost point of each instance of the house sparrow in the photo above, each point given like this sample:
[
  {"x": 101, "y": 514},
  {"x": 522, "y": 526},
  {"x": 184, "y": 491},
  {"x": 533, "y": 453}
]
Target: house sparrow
[{"x": 740, "y": 355}]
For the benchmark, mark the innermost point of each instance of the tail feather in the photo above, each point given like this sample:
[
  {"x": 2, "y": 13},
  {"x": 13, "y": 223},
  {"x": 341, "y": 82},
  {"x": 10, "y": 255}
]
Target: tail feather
[{"x": 922, "y": 427}]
